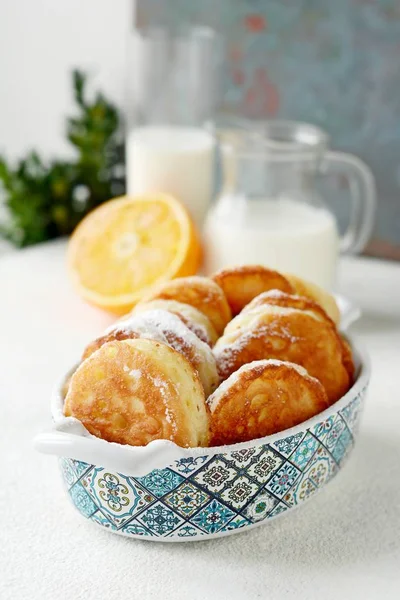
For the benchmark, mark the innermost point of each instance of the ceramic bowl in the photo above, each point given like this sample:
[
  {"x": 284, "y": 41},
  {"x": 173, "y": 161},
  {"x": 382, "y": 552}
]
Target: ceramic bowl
[{"x": 165, "y": 493}]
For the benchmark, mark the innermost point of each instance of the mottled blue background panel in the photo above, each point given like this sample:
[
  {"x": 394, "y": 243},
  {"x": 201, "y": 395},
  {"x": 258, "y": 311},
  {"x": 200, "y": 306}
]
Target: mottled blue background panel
[{"x": 332, "y": 63}]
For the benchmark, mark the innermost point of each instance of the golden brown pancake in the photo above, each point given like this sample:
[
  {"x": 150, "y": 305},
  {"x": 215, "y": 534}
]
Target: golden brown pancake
[
  {"x": 242, "y": 284},
  {"x": 139, "y": 390},
  {"x": 348, "y": 361},
  {"x": 195, "y": 320},
  {"x": 202, "y": 293},
  {"x": 313, "y": 291},
  {"x": 262, "y": 398},
  {"x": 278, "y": 298},
  {"x": 285, "y": 334},
  {"x": 163, "y": 326}
]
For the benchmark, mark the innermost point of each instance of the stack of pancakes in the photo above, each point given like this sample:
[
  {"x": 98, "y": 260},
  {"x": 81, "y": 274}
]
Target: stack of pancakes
[{"x": 209, "y": 361}]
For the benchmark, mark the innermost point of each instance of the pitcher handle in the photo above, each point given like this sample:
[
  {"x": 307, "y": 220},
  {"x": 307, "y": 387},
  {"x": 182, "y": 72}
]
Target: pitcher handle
[{"x": 363, "y": 199}]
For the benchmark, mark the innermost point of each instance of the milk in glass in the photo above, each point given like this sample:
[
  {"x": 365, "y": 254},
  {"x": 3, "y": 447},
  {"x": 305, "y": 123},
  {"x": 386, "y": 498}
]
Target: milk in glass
[{"x": 175, "y": 160}]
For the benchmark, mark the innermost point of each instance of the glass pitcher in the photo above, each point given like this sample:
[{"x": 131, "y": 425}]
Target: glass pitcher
[{"x": 269, "y": 210}]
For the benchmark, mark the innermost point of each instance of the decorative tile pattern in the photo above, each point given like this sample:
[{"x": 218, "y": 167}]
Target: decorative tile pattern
[
  {"x": 319, "y": 471},
  {"x": 186, "y": 531},
  {"x": 119, "y": 497},
  {"x": 135, "y": 528},
  {"x": 243, "y": 457},
  {"x": 287, "y": 445},
  {"x": 203, "y": 495},
  {"x": 261, "y": 506},
  {"x": 186, "y": 499},
  {"x": 235, "y": 523},
  {"x": 267, "y": 463},
  {"x": 278, "y": 510},
  {"x": 215, "y": 475},
  {"x": 160, "y": 519},
  {"x": 80, "y": 467},
  {"x": 189, "y": 465},
  {"x": 67, "y": 471},
  {"x": 213, "y": 517},
  {"x": 160, "y": 482},
  {"x": 343, "y": 445},
  {"x": 304, "y": 452},
  {"x": 239, "y": 492},
  {"x": 333, "y": 435},
  {"x": 82, "y": 500},
  {"x": 100, "y": 519},
  {"x": 351, "y": 413},
  {"x": 283, "y": 480},
  {"x": 322, "y": 429}
]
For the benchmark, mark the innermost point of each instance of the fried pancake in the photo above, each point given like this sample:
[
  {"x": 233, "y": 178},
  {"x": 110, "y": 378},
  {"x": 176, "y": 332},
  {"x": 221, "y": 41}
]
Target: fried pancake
[
  {"x": 135, "y": 391},
  {"x": 316, "y": 293},
  {"x": 128, "y": 329},
  {"x": 242, "y": 284},
  {"x": 202, "y": 293},
  {"x": 347, "y": 358},
  {"x": 262, "y": 398},
  {"x": 195, "y": 320},
  {"x": 278, "y": 298},
  {"x": 285, "y": 334},
  {"x": 163, "y": 326}
]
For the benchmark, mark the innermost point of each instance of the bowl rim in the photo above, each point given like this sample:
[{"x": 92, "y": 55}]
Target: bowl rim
[{"x": 167, "y": 447}]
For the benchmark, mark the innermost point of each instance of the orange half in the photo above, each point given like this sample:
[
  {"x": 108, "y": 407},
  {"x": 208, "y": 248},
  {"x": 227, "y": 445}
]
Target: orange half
[{"x": 124, "y": 248}]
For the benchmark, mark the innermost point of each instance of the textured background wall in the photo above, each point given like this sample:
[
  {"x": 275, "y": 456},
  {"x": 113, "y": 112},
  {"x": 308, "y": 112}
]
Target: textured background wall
[{"x": 332, "y": 63}]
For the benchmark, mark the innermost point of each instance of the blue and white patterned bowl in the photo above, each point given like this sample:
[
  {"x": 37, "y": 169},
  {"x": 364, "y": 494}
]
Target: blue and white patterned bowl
[{"x": 203, "y": 493}]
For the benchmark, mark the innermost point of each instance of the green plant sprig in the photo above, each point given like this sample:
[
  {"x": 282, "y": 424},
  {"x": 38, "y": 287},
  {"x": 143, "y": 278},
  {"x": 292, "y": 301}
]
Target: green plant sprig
[{"x": 44, "y": 200}]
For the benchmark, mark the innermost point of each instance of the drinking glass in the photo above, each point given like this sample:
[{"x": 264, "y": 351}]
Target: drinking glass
[{"x": 173, "y": 91}]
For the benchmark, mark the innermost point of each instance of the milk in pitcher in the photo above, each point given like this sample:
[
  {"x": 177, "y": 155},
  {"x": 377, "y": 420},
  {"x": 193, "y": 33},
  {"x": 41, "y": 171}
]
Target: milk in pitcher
[{"x": 293, "y": 237}]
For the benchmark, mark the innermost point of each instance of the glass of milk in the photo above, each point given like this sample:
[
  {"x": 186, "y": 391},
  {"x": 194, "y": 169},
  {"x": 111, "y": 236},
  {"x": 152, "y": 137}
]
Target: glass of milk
[
  {"x": 173, "y": 91},
  {"x": 269, "y": 211}
]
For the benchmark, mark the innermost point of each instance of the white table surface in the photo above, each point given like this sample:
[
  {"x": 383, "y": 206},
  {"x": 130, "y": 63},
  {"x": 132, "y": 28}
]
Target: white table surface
[{"x": 345, "y": 543}]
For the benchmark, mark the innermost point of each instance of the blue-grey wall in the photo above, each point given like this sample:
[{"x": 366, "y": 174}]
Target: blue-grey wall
[{"x": 332, "y": 63}]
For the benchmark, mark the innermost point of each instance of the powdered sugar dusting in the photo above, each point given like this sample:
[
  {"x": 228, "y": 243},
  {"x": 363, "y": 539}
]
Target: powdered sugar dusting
[
  {"x": 200, "y": 331},
  {"x": 163, "y": 387},
  {"x": 163, "y": 326},
  {"x": 269, "y": 294},
  {"x": 169, "y": 418},
  {"x": 136, "y": 324},
  {"x": 135, "y": 374},
  {"x": 195, "y": 320},
  {"x": 273, "y": 294},
  {"x": 259, "y": 309},
  {"x": 182, "y": 339},
  {"x": 248, "y": 327}
]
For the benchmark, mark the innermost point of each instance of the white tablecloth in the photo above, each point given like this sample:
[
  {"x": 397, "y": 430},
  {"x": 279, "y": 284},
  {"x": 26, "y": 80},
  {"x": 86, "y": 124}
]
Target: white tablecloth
[{"x": 343, "y": 544}]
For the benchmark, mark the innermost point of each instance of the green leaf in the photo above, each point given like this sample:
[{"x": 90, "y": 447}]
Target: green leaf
[
  {"x": 79, "y": 79},
  {"x": 45, "y": 199}
]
